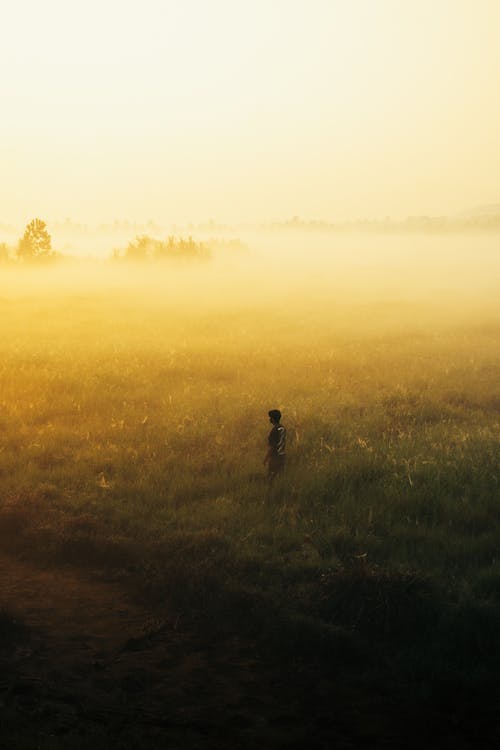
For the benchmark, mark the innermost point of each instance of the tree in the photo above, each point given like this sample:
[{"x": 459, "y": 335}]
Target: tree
[
  {"x": 147, "y": 248},
  {"x": 142, "y": 248},
  {"x": 36, "y": 243}
]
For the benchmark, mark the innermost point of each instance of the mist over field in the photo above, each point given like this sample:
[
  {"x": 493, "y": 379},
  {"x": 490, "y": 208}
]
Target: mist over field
[
  {"x": 356, "y": 268},
  {"x": 153, "y": 380}
]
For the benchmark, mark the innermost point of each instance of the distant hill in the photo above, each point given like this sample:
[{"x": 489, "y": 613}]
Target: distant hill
[{"x": 492, "y": 209}]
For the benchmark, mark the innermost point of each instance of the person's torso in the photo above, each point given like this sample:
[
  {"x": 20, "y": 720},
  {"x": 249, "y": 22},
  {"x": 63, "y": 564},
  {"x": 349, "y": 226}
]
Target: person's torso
[{"x": 277, "y": 440}]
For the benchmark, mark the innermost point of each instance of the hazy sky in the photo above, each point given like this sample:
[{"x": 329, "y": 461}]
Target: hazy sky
[{"x": 245, "y": 110}]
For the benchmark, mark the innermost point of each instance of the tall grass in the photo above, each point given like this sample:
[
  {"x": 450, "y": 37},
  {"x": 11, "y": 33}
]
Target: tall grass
[{"x": 133, "y": 432}]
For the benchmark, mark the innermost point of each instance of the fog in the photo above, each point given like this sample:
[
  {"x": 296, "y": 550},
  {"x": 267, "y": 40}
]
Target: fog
[{"x": 283, "y": 270}]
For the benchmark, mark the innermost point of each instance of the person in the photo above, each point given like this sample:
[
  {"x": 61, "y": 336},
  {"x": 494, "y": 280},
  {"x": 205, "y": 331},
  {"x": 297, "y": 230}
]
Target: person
[{"x": 276, "y": 450}]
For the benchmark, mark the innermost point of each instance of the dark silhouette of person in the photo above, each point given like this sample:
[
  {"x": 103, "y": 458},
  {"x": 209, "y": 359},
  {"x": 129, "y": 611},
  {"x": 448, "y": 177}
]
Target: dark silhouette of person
[{"x": 276, "y": 449}]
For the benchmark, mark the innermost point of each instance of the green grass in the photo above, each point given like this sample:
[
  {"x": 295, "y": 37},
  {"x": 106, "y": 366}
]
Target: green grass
[{"x": 133, "y": 434}]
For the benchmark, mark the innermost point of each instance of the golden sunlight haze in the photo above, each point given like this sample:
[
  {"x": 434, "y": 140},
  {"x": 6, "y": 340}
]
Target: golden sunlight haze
[{"x": 182, "y": 111}]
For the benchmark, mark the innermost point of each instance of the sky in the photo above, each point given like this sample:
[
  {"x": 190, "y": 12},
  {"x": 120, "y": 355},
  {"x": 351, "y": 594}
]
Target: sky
[{"x": 243, "y": 111}]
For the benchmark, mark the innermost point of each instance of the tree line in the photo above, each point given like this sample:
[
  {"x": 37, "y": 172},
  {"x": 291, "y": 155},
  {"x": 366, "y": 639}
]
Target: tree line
[
  {"x": 35, "y": 246},
  {"x": 145, "y": 248}
]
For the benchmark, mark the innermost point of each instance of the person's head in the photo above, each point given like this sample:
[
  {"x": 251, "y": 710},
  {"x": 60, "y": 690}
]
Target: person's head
[{"x": 274, "y": 416}]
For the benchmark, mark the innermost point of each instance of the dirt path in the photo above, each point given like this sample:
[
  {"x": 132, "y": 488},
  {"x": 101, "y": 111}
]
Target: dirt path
[{"x": 93, "y": 668}]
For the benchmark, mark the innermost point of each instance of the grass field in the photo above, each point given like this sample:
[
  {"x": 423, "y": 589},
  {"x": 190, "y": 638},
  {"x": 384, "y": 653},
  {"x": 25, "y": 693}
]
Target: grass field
[{"x": 133, "y": 430}]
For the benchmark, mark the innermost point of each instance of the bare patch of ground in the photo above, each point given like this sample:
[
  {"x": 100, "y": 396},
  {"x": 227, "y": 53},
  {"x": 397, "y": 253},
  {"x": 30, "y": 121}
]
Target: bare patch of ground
[{"x": 85, "y": 664}]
